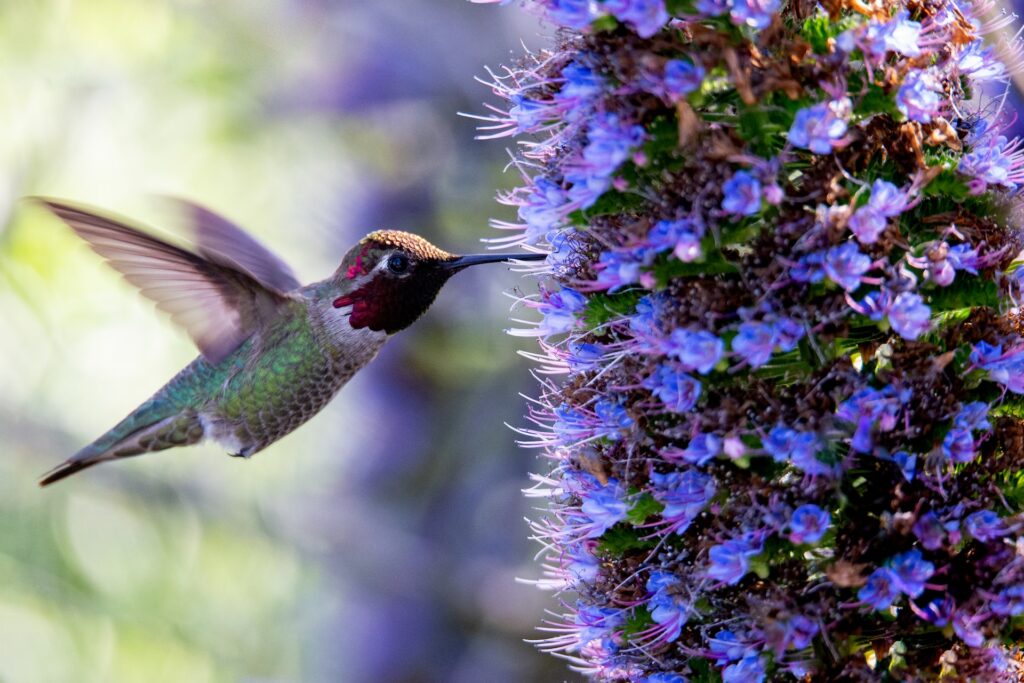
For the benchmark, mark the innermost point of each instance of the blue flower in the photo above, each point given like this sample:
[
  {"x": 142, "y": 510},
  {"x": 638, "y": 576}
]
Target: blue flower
[
  {"x": 755, "y": 343},
  {"x": 730, "y": 561},
  {"x": 682, "y": 77},
  {"x": 919, "y": 98},
  {"x": 750, "y": 669},
  {"x": 990, "y": 163},
  {"x": 787, "y": 333},
  {"x": 973, "y": 416},
  {"x": 753, "y": 13},
  {"x": 911, "y": 571},
  {"x": 595, "y": 623},
  {"x": 618, "y": 269},
  {"x": 979, "y": 62},
  {"x": 702, "y": 448},
  {"x": 1009, "y": 601},
  {"x": 985, "y": 525},
  {"x": 677, "y": 390},
  {"x": 870, "y": 409},
  {"x": 559, "y": 310},
  {"x": 958, "y": 445},
  {"x": 725, "y": 645},
  {"x": 684, "y": 494},
  {"x": 610, "y": 142},
  {"x": 698, "y": 351},
  {"x": 820, "y": 127},
  {"x": 845, "y": 265},
  {"x": 809, "y": 268},
  {"x": 930, "y": 531},
  {"x": 808, "y": 524},
  {"x": 645, "y": 16},
  {"x": 907, "y": 462},
  {"x": 881, "y": 589},
  {"x": 604, "y": 507},
  {"x": 666, "y": 605},
  {"x": 614, "y": 418},
  {"x": 572, "y": 13},
  {"x": 899, "y": 34},
  {"x": 742, "y": 194},
  {"x": 909, "y": 316},
  {"x": 800, "y": 448},
  {"x": 886, "y": 201}
]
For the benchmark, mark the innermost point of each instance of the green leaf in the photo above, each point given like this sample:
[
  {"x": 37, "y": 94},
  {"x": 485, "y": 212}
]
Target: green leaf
[
  {"x": 948, "y": 184},
  {"x": 876, "y": 101},
  {"x": 702, "y": 671},
  {"x": 602, "y": 307},
  {"x": 964, "y": 293},
  {"x": 611, "y": 202},
  {"x": 622, "y": 539},
  {"x": 639, "y": 620},
  {"x": 645, "y": 506},
  {"x": 712, "y": 264}
]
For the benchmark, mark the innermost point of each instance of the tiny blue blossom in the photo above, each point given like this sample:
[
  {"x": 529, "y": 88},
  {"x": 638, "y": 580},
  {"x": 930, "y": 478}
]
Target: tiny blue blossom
[
  {"x": 754, "y": 342},
  {"x": 881, "y": 589},
  {"x": 756, "y": 14},
  {"x": 702, "y": 448},
  {"x": 677, "y": 390},
  {"x": 684, "y": 494},
  {"x": 808, "y": 524},
  {"x": 604, "y": 507},
  {"x": 958, "y": 445},
  {"x": 750, "y": 669},
  {"x": 682, "y": 77},
  {"x": 666, "y": 605},
  {"x": 742, "y": 194},
  {"x": 919, "y": 98},
  {"x": 614, "y": 418},
  {"x": 985, "y": 525},
  {"x": 909, "y": 316},
  {"x": 645, "y": 16},
  {"x": 899, "y": 34},
  {"x": 820, "y": 127},
  {"x": 726, "y": 646},
  {"x": 845, "y": 265},
  {"x": 696, "y": 351},
  {"x": 730, "y": 561},
  {"x": 911, "y": 571}
]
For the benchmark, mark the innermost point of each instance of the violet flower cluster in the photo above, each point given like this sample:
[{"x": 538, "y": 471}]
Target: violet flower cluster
[{"x": 782, "y": 371}]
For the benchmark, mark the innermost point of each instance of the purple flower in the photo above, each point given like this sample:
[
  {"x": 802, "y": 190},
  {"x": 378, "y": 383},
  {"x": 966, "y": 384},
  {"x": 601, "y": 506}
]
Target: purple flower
[
  {"x": 750, "y": 669},
  {"x": 753, "y": 13},
  {"x": 684, "y": 494},
  {"x": 1009, "y": 602},
  {"x": 666, "y": 604},
  {"x": 677, "y": 390},
  {"x": 559, "y": 311},
  {"x": 809, "y": 268},
  {"x": 614, "y": 419},
  {"x": 899, "y": 34},
  {"x": 645, "y": 16},
  {"x": 713, "y": 8},
  {"x": 844, "y": 265},
  {"x": 698, "y": 351},
  {"x": 911, "y": 571},
  {"x": 909, "y": 316},
  {"x": 730, "y": 561},
  {"x": 919, "y": 98},
  {"x": 958, "y": 445},
  {"x": 808, "y": 524},
  {"x": 610, "y": 142},
  {"x": 604, "y": 507},
  {"x": 930, "y": 531},
  {"x": 907, "y": 462},
  {"x": 870, "y": 409},
  {"x": 979, "y": 61},
  {"x": 821, "y": 127},
  {"x": 742, "y": 194},
  {"x": 702, "y": 448},
  {"x": 881, "y": 589},
  {"x": 886, "y": 201},
  {"x": 787, "y": 333},
  {"x": 973, "y": 416},
  {"x": 725, "y": 645},
  {"x": 682, "y": 77},
  {"x": 1005, "y": 368},
  {"x": 754, "y": 343},
  {"x": 985, "y": 525},
  {"x": 583, "y": 357},
  {"x": 617, "y": 269},
  {"x": 595, "y": 623},
  {"x": 572, "y": 13},
  {"x": 991, "y": 162}
]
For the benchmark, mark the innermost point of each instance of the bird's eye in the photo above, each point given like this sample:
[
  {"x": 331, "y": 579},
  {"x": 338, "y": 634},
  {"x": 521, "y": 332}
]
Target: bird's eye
[{"x": 399, "y": 263}]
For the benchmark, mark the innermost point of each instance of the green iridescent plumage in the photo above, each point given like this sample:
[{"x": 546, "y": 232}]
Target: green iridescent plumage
[{"x": 273, "y": 353}]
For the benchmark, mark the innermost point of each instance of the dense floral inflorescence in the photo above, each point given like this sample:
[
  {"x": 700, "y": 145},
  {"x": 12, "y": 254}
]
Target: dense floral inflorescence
[{"x": 781, "y": 368}]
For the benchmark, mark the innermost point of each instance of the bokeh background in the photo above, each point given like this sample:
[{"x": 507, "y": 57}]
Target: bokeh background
[{"x": 381, "y": 541}]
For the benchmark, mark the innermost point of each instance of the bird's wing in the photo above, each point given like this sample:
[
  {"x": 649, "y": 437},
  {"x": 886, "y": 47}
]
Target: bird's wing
[
  {"x": 221, "y": 241},
  {"x": 218, "y": 304}
]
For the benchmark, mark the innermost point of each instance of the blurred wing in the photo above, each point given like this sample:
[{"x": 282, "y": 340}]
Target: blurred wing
[
  {"x": 221, "y": 241},
  {"x": 219, "y": 306}
]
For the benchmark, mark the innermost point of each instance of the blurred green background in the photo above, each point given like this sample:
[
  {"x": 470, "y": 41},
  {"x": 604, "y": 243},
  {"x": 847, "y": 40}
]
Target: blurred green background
[{"x": 379, "y": 542}]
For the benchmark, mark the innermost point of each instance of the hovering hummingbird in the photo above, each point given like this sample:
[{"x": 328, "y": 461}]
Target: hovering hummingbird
[{"x": 273, "y": 353}]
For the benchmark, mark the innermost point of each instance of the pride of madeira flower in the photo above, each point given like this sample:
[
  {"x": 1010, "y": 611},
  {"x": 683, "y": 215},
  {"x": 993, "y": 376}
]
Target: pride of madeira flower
[{"x": 782, "y": 368}]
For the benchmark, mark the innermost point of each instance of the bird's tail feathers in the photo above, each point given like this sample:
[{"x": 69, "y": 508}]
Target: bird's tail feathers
[{"x": 179, "y": 429}]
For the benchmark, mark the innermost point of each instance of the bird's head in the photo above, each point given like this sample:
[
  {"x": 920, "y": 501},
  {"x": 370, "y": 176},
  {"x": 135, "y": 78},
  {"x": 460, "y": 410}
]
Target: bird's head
[{"x": 391, "y": 277}]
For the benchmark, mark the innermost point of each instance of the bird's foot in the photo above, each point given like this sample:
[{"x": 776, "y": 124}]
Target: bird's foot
[{"x": 244, "y": 453}]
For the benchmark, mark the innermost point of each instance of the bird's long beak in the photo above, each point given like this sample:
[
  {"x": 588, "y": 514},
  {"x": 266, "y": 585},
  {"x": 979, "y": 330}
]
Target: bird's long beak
[{"x": 476, "y": 259}]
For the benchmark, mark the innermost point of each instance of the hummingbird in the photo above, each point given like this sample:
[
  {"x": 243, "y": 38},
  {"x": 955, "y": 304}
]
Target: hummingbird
[{"x": 273, "y": 353}]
